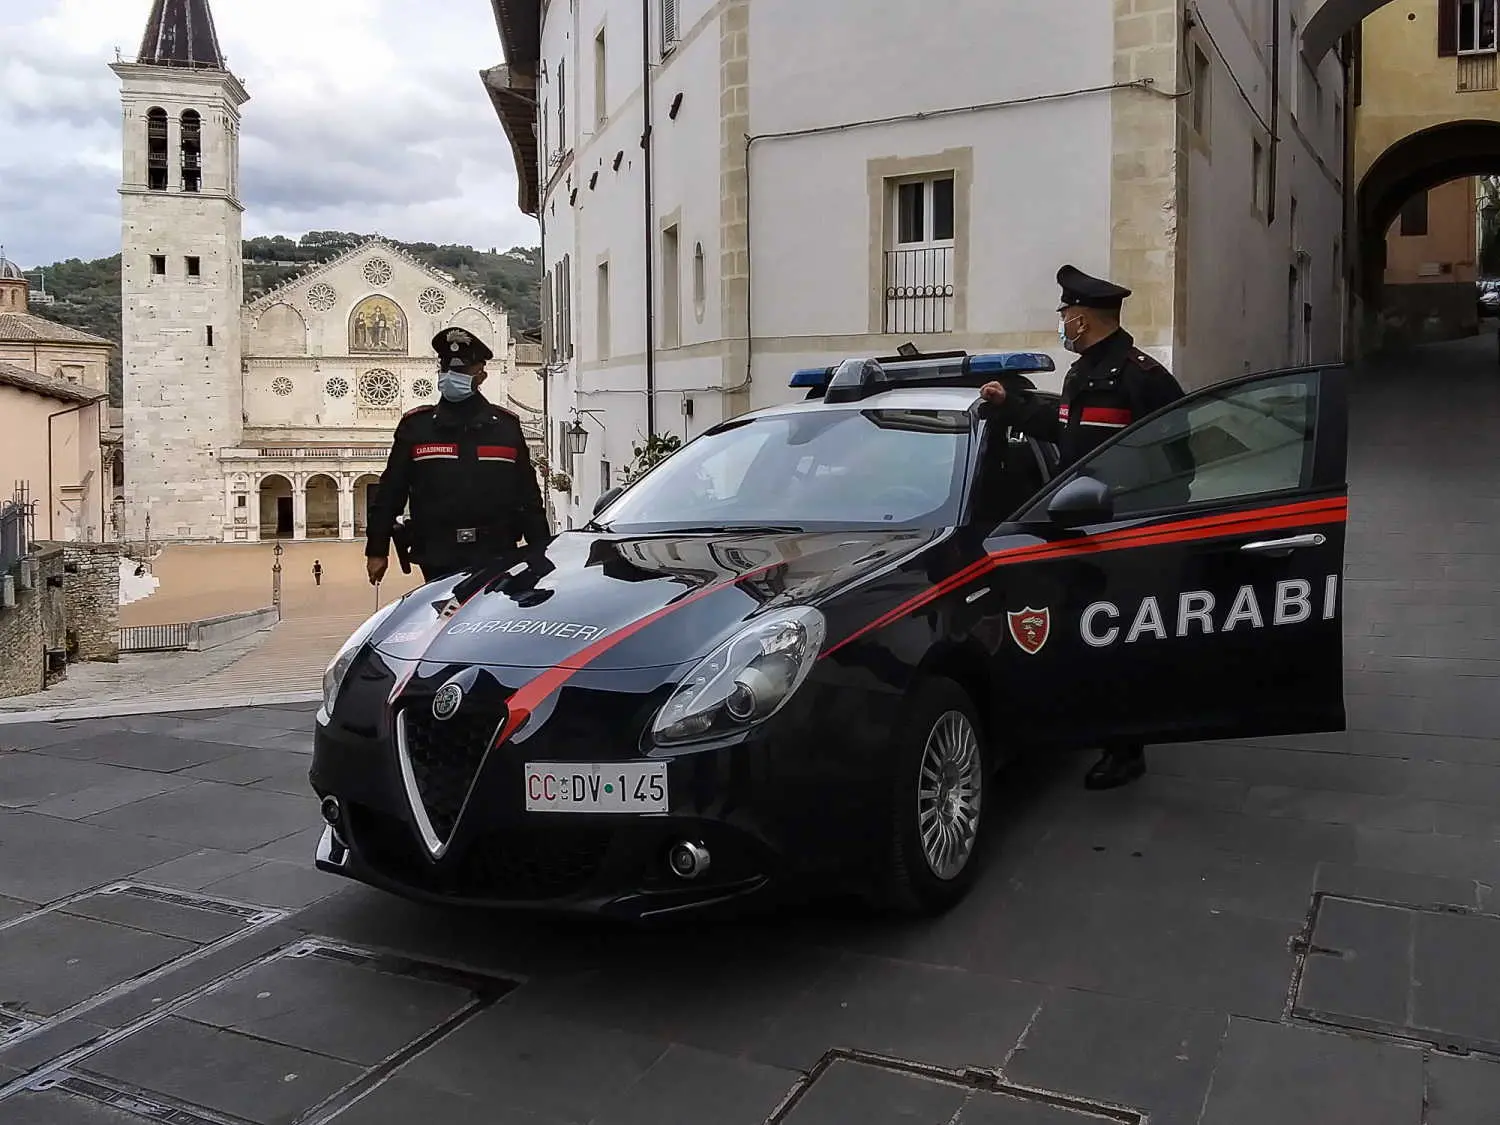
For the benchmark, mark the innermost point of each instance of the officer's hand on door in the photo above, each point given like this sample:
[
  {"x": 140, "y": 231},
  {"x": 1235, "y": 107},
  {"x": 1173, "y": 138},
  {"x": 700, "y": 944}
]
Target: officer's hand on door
[
  {"x": 376, "y": 566},
  {"x": 993, "y": 392}
]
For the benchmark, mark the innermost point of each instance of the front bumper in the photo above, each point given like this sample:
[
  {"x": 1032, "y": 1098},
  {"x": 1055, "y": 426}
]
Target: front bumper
[{"x": 794, "y": 803}]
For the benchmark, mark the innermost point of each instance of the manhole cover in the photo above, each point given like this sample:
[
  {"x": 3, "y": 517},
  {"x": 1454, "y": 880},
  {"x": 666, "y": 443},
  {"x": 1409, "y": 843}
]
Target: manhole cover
[
  {"x": 65, "y": 959},
  {"x": 298, "y": 1034},
  {"x": 852, "y": 1086},
  {"x": 1418, "y": 973}
]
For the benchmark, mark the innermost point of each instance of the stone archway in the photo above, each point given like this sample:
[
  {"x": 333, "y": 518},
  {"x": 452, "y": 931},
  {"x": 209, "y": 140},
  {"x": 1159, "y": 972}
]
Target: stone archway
[
  {"x": 1418, "y": 163},
  {"x": 276, "y": 507},
  {"x": 364, "y": 494},
  {"x": 1325, "y": 22},
  {"x": 322, "y": 498}
]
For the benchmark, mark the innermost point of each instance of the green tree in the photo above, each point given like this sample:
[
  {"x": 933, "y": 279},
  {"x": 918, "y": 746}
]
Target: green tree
[{"x": 88, "y": 293}]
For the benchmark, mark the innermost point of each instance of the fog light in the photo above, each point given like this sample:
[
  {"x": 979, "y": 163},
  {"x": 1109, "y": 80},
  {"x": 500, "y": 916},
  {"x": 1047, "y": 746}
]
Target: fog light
[
  {"x": 688, "y": 860},
  {"x": 333, "y": 812}
]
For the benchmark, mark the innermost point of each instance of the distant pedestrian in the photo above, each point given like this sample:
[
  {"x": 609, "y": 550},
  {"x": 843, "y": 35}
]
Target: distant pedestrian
[{"x": 317, "y": 573}]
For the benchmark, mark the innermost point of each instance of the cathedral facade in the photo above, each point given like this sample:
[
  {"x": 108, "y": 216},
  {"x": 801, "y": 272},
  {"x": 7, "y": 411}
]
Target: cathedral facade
[{"x": 271, "y": 419}]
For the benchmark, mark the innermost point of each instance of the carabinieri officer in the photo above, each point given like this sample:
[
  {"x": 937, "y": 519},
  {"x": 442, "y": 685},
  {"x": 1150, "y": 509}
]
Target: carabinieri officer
[
  {"x": 1112, "y": 384},
  {"x": 464, "y": 466}
]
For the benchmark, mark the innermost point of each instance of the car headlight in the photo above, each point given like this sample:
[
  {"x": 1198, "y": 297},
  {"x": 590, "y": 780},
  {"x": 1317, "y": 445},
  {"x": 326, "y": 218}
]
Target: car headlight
[
  {"x": 745, "y": 680},
  {"x": 333, "y": 677}
]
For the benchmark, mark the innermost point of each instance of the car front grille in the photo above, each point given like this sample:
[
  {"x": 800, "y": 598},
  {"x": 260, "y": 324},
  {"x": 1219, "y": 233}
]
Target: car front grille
[
  {"x": 446, "y": 757},
  {"x": 533, "y": 865}
]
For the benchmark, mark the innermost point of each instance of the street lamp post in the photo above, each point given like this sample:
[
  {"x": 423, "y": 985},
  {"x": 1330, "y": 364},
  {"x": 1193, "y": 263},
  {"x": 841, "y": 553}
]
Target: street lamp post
[{"x": 276, "y": 580}]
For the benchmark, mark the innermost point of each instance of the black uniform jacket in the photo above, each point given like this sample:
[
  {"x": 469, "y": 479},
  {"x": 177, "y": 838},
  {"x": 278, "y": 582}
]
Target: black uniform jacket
[
  {"x": 1111, "y": 385},
  {"x": 461, "y": 465}
]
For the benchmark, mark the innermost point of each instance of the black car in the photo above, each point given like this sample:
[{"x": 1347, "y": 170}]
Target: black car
[{"x": 796, "y": 652}]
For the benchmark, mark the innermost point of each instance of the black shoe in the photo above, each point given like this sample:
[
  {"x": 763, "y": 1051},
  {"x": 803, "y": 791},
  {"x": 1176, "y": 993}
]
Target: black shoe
[{"x": 1116, "y": 768}]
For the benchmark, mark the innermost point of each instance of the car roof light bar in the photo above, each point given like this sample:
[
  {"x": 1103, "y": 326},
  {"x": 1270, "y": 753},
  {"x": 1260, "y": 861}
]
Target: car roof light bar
[{"x": 855, "y": 379}]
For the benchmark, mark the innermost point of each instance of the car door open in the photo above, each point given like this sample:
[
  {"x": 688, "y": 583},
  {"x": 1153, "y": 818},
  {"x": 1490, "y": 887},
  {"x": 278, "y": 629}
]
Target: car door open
[{"x": 1184, "y": 580}]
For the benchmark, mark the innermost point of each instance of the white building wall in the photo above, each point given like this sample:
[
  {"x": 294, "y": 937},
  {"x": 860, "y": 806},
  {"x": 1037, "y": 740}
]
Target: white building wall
[
  {"x": 837, "y": 100},
  {"x": 183, "y": 399},
  {"x": 1242, "y": 313}
]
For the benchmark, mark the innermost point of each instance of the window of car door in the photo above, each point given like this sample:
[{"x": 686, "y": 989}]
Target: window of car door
[{"x": 1222, "y": 445}]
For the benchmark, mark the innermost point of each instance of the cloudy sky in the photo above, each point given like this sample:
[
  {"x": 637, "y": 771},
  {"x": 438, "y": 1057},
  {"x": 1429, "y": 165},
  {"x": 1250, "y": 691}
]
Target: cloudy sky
[{"x": 365, "y": 115}]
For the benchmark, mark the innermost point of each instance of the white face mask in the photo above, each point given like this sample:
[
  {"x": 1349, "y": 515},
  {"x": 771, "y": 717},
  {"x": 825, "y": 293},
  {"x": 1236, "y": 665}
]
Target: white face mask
[
  {"x": 455, "y": 386},
  {"x": 1068, "y": 342}
]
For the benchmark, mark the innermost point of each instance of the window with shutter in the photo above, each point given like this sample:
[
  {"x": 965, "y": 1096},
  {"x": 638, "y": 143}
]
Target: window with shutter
[
  {"x": 1447, "y": 28},
  {"x": 668, "y": 25}
]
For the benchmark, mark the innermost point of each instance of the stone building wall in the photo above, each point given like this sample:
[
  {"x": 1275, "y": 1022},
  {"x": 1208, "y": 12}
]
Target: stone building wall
[
  {"x": 91, "y": 589},
  {"x": 33, "y": 625}
]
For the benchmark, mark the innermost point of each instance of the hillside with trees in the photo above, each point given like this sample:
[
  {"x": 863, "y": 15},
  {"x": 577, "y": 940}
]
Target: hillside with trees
[{"x": 87, "y": 294}]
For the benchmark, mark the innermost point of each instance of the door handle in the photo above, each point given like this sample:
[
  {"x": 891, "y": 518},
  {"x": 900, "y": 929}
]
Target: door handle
[{"x": 1283, "y": 546}]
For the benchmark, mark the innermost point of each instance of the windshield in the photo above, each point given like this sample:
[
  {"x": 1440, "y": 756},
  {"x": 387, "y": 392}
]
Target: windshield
[{"x": 825, "y": 468}]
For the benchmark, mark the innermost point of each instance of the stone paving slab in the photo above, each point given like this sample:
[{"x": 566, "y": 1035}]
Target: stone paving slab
[{"x": 1136, "y": 952}]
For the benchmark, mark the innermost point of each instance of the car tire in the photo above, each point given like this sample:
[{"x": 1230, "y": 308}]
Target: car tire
[{"x": 942, "y": 728}]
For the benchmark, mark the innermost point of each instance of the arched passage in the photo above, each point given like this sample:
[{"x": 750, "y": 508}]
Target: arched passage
[
  {"x": 1325, "y": 22},
  {"x": 364, "y": 495},
  {"x": 276, "y": 515},
  {"x": 322, "y": 507},
  {"x": 1420, "y": 162}
]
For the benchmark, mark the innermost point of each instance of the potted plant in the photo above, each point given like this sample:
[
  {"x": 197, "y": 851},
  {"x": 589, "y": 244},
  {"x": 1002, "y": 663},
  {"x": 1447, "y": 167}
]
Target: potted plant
[{"x": 657, "y": 448}]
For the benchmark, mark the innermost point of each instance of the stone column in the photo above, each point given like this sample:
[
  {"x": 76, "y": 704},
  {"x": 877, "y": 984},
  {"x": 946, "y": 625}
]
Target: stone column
[
  {"x": 346, "y": 505},
  {"x": 299, "y": 506}
]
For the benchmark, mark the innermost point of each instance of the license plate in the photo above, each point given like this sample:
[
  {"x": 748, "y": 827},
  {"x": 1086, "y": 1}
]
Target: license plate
[{"x": 575, "y": 787}]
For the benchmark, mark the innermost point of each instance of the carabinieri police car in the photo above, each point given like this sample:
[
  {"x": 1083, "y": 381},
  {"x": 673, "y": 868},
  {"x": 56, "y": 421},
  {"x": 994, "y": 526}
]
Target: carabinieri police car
[{"x": 798, "y": 651}]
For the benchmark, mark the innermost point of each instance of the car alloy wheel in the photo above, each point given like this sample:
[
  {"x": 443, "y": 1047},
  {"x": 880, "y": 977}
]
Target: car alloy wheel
[
  {"x": 950, "y": 795},
  {"x": 939, "y": 775}
]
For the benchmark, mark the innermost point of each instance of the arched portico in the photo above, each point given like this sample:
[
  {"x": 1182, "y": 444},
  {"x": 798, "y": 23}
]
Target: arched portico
[
  {"x": 364, "y": 493},
  {"x": 276, "y": 507},
  {"x": 322, "y": 507}
]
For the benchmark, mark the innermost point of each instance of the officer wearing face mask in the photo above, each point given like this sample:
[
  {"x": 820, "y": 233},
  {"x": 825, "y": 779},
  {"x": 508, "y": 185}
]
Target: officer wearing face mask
[
  {"x": 1112, "y": 384},
  {"x": 463, "y": 465}
]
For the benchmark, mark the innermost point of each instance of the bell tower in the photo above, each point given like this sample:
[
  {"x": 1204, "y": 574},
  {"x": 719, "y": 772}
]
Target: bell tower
[{"x": 180, "y": 273}]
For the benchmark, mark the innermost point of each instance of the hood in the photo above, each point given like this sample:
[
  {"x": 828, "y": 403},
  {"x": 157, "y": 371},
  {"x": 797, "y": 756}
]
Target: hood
[{"x": 615, "y": 602}]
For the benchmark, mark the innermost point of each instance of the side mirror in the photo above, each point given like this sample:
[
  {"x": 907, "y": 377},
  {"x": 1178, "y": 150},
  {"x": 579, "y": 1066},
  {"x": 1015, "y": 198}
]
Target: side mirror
[
  {"x": 1082, "y": 501},
  {"x": 607, "y": 499}
]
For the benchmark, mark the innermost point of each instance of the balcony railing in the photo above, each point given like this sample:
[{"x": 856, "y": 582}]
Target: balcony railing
[
  {"x": 919, "y": 291},
  {"x": 1477, "y": 74},
  {"x": 283, "y": 453},
  {"x": 15, "y": 529}
]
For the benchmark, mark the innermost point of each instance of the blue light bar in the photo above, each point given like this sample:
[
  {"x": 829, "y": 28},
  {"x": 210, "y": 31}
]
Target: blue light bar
[
  {"x": 899, "y": 369},
  {"x": 1007, "y": 363},
  {"x": 811, "y": 377}
]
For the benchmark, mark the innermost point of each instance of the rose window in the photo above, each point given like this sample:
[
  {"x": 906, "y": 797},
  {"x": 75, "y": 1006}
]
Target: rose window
[
  {"x": 422, "y": 388},
  {"x": 379, "y": 388},
  {"x": 433, "y": 301},
  {"x": 377, "y": 271},
  {"x": 321, "y": 296},
  {"x": 281, "y": 385},
  {"x": 337, "y": 387}
]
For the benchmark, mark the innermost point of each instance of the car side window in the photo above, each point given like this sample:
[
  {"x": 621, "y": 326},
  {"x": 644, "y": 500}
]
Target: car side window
[{"x": 1238, "y": 443}]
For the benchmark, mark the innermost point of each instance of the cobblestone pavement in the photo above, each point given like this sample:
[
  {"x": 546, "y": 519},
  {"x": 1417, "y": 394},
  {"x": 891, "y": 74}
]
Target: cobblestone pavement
[{"x": 1299, "y": 931}]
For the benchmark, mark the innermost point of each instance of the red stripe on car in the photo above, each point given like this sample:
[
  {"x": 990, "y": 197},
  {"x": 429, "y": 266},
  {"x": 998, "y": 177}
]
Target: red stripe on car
[
  {"x": 1204, "y": 527},
  {"x": 532, "y": 694}
]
